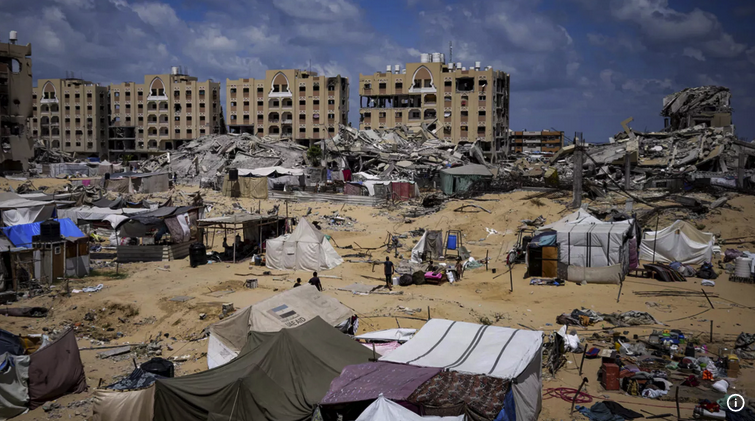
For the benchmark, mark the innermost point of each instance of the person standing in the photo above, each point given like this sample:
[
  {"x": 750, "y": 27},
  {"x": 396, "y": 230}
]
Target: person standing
[
  {"x": 389, "y": 271},
  {"x": 316, "y": 281},
  {"x": 459, "y": 269}
]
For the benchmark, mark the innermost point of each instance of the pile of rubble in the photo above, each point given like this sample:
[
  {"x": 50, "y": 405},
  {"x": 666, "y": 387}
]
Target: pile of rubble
[{"x": 207, "y": 157}]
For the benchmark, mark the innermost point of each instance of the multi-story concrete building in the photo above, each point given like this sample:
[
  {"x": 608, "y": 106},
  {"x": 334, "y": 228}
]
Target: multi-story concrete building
[
  {"x": 16, "y": 144},
  {"x": 162, "y": 113},
  {"x": 288, "y": 103},
  {"x": 71, "y": 115},
  {"x": 545, "y": 141},
  {"x": 460, "y": 104}
]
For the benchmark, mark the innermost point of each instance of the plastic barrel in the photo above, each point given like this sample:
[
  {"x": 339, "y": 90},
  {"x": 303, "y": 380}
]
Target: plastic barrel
[
  {"x": 233, "y": 174},
  {"x": 742, "y": 267}
]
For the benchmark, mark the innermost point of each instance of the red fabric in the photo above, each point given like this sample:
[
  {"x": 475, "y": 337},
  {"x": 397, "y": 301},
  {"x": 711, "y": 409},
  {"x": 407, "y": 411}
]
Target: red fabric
[
  {"x": 402, "y": 190},
  {"x": 346, "y": 175}
]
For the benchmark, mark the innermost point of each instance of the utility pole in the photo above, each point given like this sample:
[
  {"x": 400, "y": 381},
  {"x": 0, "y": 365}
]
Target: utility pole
[{"x": 578, "y": 162}]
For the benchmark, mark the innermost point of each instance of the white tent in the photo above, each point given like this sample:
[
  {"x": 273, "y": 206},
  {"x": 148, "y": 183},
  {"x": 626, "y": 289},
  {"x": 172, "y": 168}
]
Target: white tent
[
  {"x": 679, "y": 242},
  {"x": 287, "y": 309},
  {"x": 400, "y": 335},
  {"x": 510, "y": 354},
  {"x": 304, "y": 249},
  {"x": 383, "y": 409}
]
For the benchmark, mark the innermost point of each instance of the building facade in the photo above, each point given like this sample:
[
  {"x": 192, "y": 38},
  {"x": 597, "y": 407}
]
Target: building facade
[
  {"x": 162, "y": 113},
  {"x": 71, "y": 115},
  {"x": 16, "y": 143},
  {"x": 289, "y": 103},
  {"x": 544, "y": 141},
  {"x": 459, "y": 104}
]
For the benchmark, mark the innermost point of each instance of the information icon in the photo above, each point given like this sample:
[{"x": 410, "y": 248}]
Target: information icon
[{"x": 735, "y": 403}]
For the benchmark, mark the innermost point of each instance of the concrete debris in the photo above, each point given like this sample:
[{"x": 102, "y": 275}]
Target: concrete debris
[{"x": 693, "y": 106}]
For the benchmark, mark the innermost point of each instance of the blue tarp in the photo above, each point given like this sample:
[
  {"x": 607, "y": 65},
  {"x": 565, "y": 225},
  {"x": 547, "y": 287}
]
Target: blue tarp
[
  {"x": 20, "y": 235},
  {"x": 547, "y": 238}
]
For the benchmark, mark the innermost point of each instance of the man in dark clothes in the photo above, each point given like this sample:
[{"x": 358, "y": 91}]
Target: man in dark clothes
[
  {"x": 298, "y": 282},
  {"x": 316, "y": 281},
  {"x": 389, "y": 270}
]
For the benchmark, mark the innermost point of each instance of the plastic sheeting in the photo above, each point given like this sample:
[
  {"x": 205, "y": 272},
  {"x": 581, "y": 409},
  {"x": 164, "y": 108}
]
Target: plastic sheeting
[
  {"x": 679, "y": 242},
  {"x": 16, "y": 210},
  {"x": 21, "y": 235},
  {"x": 287, "y": 309},
  {"x": 367, "y": 381},
  {"x": 247, "y": 187},
  {"x": 305, "y": 249},
  {"x": 114, "y": 405},
  {"x": 385, "y": 410},
  {"x": 55, "y": 371},
  {"x": 14, "y": 380},
  {"x": 401, "y": 335}
]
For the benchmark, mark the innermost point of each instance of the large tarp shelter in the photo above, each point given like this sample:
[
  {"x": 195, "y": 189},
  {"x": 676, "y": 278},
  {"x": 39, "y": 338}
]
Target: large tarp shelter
[
  {"x": 115, "y": 405},
  {"x": 55, "y": 371},
  {"x": 83, "y": 214},
  {"x": 385, "y": 410},
  {"x": 14, "y": 381},
  {"x": 130, "y": 182},
  {"x": 509, "y": 354},
  {"x": 307, "y": 248},
  {"x": 459, "y": 179},
  {"x": 281, "y": 379},
  {"x": 247, "y": 187},
  {"x": 591, "y": 250},
  {"x": 679, "y": 242},
  {"x": 430, "y": 245},
  {"x": 287, "y": 309},
  {"x": 367, "y": 381},
  {"x": 16, "y": 210},
  {"x": 21, "y": 235}
]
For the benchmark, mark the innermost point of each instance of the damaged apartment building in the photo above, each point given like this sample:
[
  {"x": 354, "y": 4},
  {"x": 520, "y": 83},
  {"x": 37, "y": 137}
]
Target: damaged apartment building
[
  {"x": 456, "y": 103},
  {"x": 708, "y": 106},
  {"x": 290, "y": 103},
  {"x": 16, "y": 144}
]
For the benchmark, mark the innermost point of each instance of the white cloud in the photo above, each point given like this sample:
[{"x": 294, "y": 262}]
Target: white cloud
[
  {"x": 693, "y": 53},
  {"x": 724, "y": 46},
  {"x": 158, "y": 15},
  {"x": 605, "y": 77},
  {"x": 80, "y": 4},
  {"x": 324, "y": 10}
]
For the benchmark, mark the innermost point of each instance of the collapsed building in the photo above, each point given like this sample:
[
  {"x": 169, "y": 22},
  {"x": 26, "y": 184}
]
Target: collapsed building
[
  {"x": 704, "y": 105},
  {"x": 16, "y": 146}
]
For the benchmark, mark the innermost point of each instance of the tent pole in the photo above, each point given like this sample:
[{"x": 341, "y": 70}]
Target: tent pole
[
  {"x": 655, "y": 240},
  {"x": 117, "y": 245}
]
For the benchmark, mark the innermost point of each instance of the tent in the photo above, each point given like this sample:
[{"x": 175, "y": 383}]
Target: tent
[
  {"x": 16, "y": 210},
  {"x": 395, "y": 334},
  {"x": 384, "y": 410},
  {"x": 510, "y": 354},
  {"x": 679, "y": 242},
  {"x": 307, "y": 248},
  {"x": 248, "y": 187},
  {"x": 114, "y": 405},
  {"x": 287, "y": 309},
  {"x": 459, "y": 179},
  {"x": 367, "y": 381},
  {"x": 131, "y": 182},
  {"x": 589, "y": 249},
  {"x": 282, "y": 378},
  {"x": 55, "y": 371},
  {"x": 430, "y": 243},
  {"x": 14, "y": 380}
]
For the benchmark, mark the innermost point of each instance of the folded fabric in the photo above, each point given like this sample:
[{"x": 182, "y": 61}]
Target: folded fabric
[
  {"x": 653, "y": 394},
  {"x": 592, "y": 353}
]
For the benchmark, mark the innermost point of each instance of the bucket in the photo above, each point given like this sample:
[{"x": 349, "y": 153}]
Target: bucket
[
  {"x": 742, "y": 267},
  {"x": 493, "y": 271},
  {"x": 395, "y": 281}
]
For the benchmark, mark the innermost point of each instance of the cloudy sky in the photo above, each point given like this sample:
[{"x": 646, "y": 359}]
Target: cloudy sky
[{"x": 575, "y": 65}]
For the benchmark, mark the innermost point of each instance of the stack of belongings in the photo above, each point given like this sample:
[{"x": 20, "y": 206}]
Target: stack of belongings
[
  {"x": 48, "y": 373},
  {"x": 448, "y": 369}
]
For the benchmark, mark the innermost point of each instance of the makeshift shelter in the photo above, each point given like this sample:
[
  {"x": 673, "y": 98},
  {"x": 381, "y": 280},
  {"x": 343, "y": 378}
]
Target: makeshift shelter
[
  {"x": 64, "y": 169},
  {"x": 14, "y": 381},
  {"x": 163, "y": 234},
  {"x": 15, "y": 210},
  {"x": 307, "y": 248},
  {"x": 144, "y": 183},
  {"x": 383, "y": 409},
  {"x": 459, "y": 179},
  {"x": 287, "y": 309},
  {"x": 509, "y": 354},
  {"x": 282, "y": 378},
  {"x": 430, "y": 246},
  {"x": 55, "y": 371},
  {"x": 679, "y": 242},
  {"x": 246, "y": 187},
  {"x": 255, "y": 230},
  {"x": 67, "y": 257},
  {"x": 480, "y": 397},
  {"x": 588, "y": 249},
  {"x": 115, "y": 405}
]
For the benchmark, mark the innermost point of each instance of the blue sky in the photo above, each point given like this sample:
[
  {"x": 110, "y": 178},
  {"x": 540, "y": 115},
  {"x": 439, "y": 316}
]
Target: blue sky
[{"x": 575, "y": 65}]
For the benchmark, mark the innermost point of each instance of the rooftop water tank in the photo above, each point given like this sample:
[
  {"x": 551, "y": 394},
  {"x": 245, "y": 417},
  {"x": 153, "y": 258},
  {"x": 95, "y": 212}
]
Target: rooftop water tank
[
  {"x": 436, "y": 57},
  {"x": 424, "y": 58}
]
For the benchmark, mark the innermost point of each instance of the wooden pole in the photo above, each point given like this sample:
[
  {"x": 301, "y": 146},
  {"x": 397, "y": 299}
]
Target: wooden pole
[
  {"x": 584, "y": 380},
  {"x": 582, "y": 363},
  {"x": 428, "y": 313},
  {"x": 678, "y": 411},
  {"x": 486, "y": 259},
  {"x": 711, "y": 331},
  {"x": 655, "y": 236},
  {"x": 706, "y": 297},
  {"x": 621, "y": 285},
  {"x": 578, "y": 163}
]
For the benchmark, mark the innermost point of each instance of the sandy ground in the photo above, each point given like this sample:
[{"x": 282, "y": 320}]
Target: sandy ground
[{"x": 138, "y": 306}]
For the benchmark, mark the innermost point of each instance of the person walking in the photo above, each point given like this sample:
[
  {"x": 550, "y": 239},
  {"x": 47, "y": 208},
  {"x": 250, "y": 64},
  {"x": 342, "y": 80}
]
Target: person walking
[
  {"x": 316, "y": 281},
  {"x": 389, "y": 271}
]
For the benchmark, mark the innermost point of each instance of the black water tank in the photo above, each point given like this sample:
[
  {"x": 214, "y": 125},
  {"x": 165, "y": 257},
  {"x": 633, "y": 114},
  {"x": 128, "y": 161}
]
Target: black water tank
[
  {"x": 159, "y": 366},
  {"x": 197, "y": 254},
  {"x": 233, "y": 174},
  {"x": 107, "y": 176},
  {"x": 49, "y": 230}
]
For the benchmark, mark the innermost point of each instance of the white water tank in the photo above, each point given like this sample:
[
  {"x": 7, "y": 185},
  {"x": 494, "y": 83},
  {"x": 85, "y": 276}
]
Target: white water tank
[
  {"x": 742, "y": 267},
  {"x": 403, "y": 71},
  {"x": 13, "y": 37},
  {"x": 458, "y": 65},
  {"x": 175, "y": 70},
  {"x": 450, "y": 66},
  {"x": 396, "y": 68},
  {"x": 424, "y": 58},
  {"x": 464, "y": 69},
  {"x": 442, "y": 58},
  {"x": 436, "y": 57},
  {"x": 388, "y": 68},
  {"x": 477, "y": 65}
]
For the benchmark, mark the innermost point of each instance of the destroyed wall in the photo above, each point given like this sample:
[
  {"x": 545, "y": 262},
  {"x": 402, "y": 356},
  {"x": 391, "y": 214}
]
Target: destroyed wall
[{"x": 704, "y": 105}]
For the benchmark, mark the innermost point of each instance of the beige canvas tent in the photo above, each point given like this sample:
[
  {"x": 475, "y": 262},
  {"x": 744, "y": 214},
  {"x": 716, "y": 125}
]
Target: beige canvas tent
[
  {"x": 307, "y": 248},
  {"x": 285, "y": 310}
]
